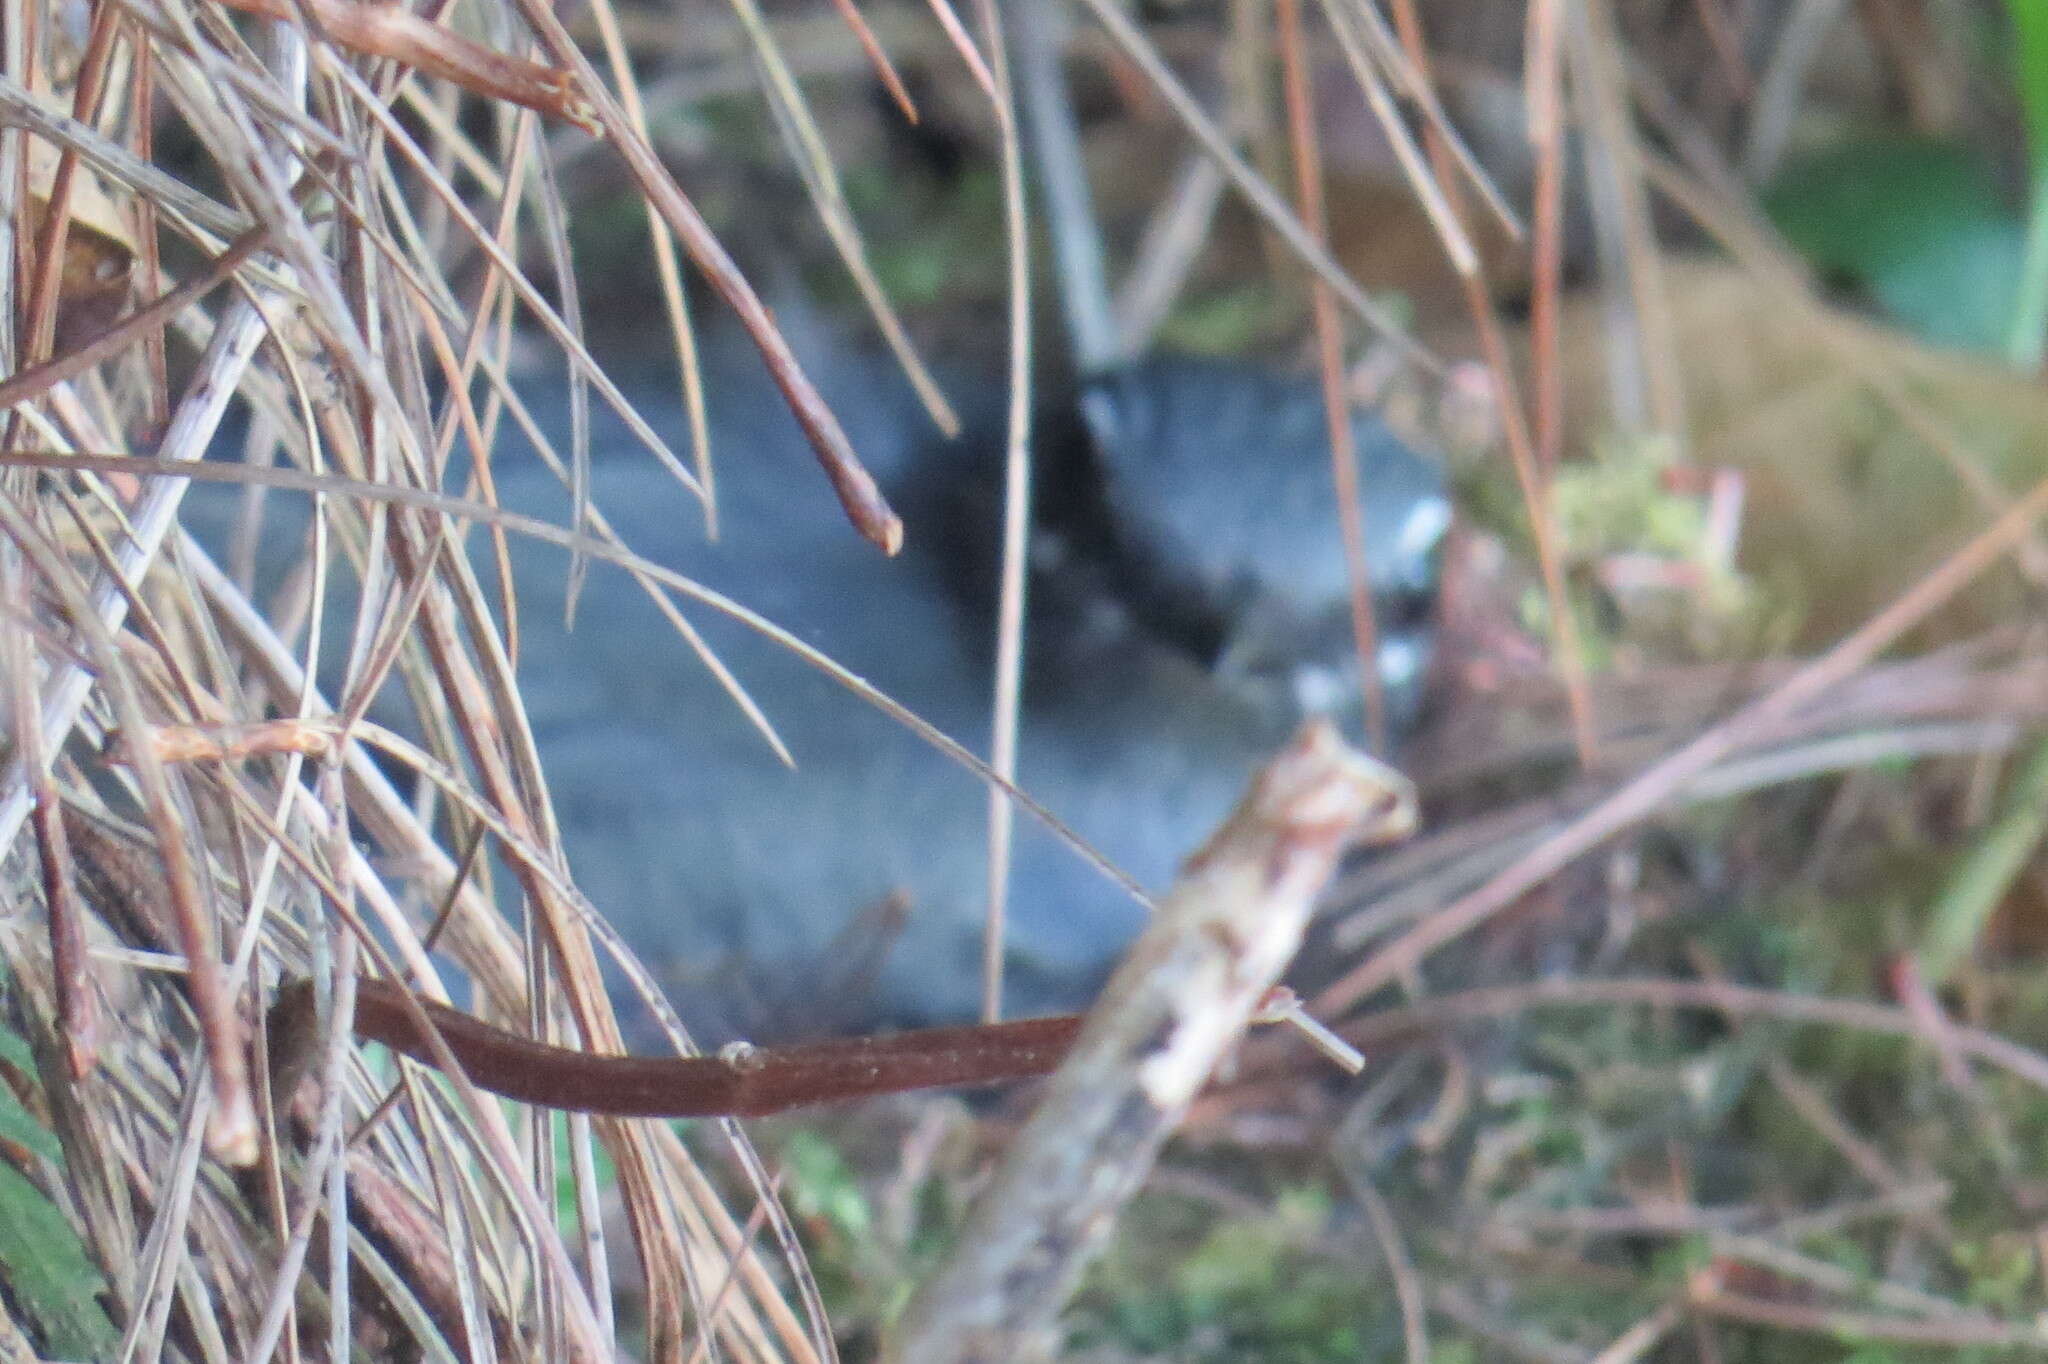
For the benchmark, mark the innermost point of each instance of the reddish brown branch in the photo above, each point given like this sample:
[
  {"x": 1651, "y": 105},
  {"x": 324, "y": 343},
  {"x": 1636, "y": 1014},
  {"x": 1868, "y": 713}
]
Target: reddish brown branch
[
  {"x": 1239, "y": 906},
  {"x": 885, "y": 70},
  {"x": 1309, "y": 203},
  {"x": 739, "y": 1082},
  {"x": 385, "y": 30},
  {"x": 77, "y": 1016}
]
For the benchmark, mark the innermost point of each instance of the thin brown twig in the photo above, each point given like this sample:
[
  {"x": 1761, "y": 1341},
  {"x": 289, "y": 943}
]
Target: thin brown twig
[
  {"x": 1643, "y": 1336},
  {"x": 819, "y": 173},
  {"x": 142, "y": 129},
  {"x": 1543, "y": 78},
  {"x": 858, "y": 492},
  {"x": 534, "y": 528},
  {"x": 1510, "y": 1339},
  {"x": 1567, "y": 654},
  {"x": 232, "y": 1128},
  {"x": 51, "y": 237},
  {"x": 70, "y": 969},
  {"x": 78, "y": 1014},
  {"x": 183, "y": 204},
  {"x": 1411, "y": 884},
  {"x": 516, "y": 279},
  {"x": 1727, "y": 46},
  {"x": 956, "y": 34},
  {"x": 1413, "y": 81},
  {"x": 1386, "y": 1230},
  {"x": 1166, "y": 253},
  {"x": 1617, "y": 152},
  {"x": 1308, "y": 172},
  {"x": 885, "y": 70},
  {"x": 1269, "y": 206},
  {"x": 735, "y": 1259},
  {"x": 1803, "y": 1097},
  {"x": 1961, "y": 1331},
  {"x": 1357, "y": 28},
  {"x": 668, "y": 271},
  {"x": 1781, "y": 1259}
]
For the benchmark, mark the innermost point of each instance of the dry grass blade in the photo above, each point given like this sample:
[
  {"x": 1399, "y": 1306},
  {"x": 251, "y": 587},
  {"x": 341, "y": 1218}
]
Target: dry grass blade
[
  {"x": 1644, "y": 365},
  {"x": 178, "y": 201},
  {"x": 1364, "y": 25},
  {"x": 1977, "y": 698},
  {"x": 808, "y": 153},
  {"x": 355, "y": 331},
  {"x": 662, "y": 242},
  {"x": 1453, "y": 1010},
  {"x": 1567, "y": 653},
  {"x": 1009, "y": 673},
  {"x": 858, "y": 493},
  {"x": 1345, "y": 22},
  {"x": 1308, "y": 171},
  {"x": 1167, "y": 251},
  {"x": 39, "y": 379}
]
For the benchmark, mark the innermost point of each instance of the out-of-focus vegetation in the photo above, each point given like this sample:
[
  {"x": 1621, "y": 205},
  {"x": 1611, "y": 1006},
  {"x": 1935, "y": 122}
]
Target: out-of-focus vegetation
[
  {"x": 1625, "y": 1181},
  {"x": 1678, "y": 1050}
]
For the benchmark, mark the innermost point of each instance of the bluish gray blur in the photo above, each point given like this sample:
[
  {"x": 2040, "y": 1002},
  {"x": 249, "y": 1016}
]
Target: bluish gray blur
[{"x": 752, "y": 888}]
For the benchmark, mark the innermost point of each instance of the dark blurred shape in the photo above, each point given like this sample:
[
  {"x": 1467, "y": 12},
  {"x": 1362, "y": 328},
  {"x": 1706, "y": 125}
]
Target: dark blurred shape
[
  {"x": 1213, "y": 494},
  {"x": 733, "y": 874},
  {"x": 711, "y": 856}
]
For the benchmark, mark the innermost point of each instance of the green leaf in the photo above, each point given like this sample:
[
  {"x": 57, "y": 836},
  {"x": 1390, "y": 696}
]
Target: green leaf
[
  {"x": 16, "y": 1052},
  {"x": 49, "y": 1277},
  {"x": 2030, "y": 72},
  {"x": 2030, "y": 83},
  {"x": 1984, "y": 875},
  {"x": 1918, "y": 226},
  {"x": 20, "y": 1127},
  {"x": 822, "y": 1184},
  {"x": 17, "y": 1125}
]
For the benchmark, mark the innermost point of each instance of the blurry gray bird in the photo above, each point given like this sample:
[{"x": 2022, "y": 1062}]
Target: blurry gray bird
[
  {"x": 736, "y": 877},
  {"x": 1203, "y": 488},
  {"x": 1198, "y": 494},
  {"x": 735, "y": 873}
]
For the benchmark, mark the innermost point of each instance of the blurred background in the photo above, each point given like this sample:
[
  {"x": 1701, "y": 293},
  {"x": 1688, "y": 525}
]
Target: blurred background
[{"x": 1703, "y": 1015}]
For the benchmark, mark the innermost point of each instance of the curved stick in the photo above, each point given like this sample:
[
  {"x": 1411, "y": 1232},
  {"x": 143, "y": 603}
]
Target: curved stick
[{"x": 742, "y": 1081}]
